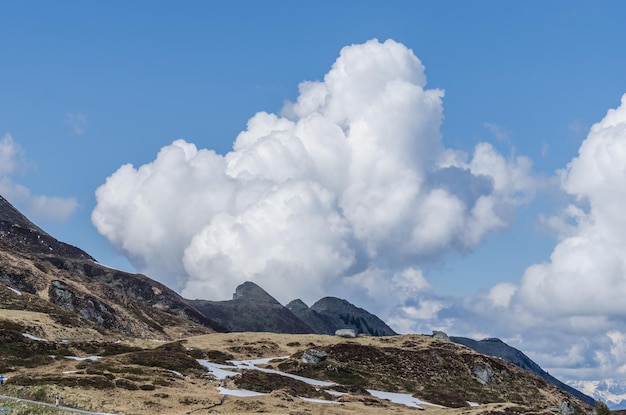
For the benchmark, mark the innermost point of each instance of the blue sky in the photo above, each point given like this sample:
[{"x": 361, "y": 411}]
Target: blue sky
[{"x": 87, "y": 87}]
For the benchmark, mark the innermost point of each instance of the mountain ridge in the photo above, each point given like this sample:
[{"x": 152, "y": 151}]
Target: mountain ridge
[
  {"x": 252, "y": 309},
  {"x": 66, "y": 281},
  {"x": 17, "y": 230}
]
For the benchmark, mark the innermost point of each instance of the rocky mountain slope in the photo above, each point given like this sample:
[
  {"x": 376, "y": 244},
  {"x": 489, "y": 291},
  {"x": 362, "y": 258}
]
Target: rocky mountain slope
[
  {"x": 253, "y": 309},
  {"x": 496, "y": 347},
  {"x": 16, "y": 230},
  {"x": 341, "y": 314},
  {"x": 40, "y": 274}
]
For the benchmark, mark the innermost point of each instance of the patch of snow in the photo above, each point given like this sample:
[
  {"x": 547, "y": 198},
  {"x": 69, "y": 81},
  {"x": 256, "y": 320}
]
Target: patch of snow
[
  {"x": 473, "y": 403},
  {"x": 402, "y": 399},
  {"x": 252, "y": 365},
  {"x": 30, "y": 336},
  {"x": 225, "y": 371},
  {"x": 238, "y": 392},
  {"x": 256, "y": 362},
  {"x": 18, "y": 292},
  {"x": 180, "y": 375},
  {"x": 319, "y": 400},
  {"x": 220, "y": 373},
  {"x": 92, "y": 358},
  {"x": 218, "y": 370}
]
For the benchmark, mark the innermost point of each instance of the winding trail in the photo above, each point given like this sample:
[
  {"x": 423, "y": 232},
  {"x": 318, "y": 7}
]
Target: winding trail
[{"x": 60, "y": 407}]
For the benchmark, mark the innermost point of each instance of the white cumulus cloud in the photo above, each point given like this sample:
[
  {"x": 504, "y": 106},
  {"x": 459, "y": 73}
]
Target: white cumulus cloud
[
  {"x": 569, "y": 310},
  {"x": 585, "y": 273},
  {"x": 349, "y": 186}
]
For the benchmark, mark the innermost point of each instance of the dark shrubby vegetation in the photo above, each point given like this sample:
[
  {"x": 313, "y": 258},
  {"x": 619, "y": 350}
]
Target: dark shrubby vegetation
[
  {"x": 268, "y": 382},
  {"x": 103, "y": 348},
  {"x": 165, "y": 359},
  {"x": 19, "y": 351},
  {"x": 90, "y": 381}
]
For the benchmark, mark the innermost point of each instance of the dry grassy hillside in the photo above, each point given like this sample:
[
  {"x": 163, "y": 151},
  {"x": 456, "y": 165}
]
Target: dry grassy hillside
[{"x": 139, "y": 376}]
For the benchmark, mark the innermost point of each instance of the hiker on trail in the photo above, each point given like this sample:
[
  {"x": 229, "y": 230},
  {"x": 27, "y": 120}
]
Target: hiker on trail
[
  {"x": 1, "y": 380},
  {"x": 56, "y": 399}
]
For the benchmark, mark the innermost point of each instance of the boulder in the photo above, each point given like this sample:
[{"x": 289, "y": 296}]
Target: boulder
[
  {"x": 313, "y": 356},
  {"x": 566, "y": 408},
  {"x": 483, "y": 374},
  {"x": 440, "y": 335},
  {"x": 349, "y": 333}
]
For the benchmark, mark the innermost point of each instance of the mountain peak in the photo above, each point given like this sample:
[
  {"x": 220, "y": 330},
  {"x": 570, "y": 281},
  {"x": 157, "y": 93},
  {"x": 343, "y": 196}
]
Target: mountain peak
[
  {"x": 251, "y": 292},
  {"x": 297, "y": 304},
  {"x": 330, "y": 303}
]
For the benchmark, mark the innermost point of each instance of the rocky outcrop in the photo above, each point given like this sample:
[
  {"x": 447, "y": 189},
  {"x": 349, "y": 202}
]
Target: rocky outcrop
[
  {"x": 313, "y": 356},
  {"x": 566, "y": 408},
  {"x": 440, "y": 335},
  {"x": 483, "y": 374}
]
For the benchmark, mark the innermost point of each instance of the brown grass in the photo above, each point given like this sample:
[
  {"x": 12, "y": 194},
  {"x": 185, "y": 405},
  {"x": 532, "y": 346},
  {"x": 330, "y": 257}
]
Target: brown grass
[{"x": 142, "y": 376}]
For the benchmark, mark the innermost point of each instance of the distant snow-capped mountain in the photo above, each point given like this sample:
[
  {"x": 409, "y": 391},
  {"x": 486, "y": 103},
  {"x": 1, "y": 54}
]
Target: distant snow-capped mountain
[{"x": 610, "y": 391}]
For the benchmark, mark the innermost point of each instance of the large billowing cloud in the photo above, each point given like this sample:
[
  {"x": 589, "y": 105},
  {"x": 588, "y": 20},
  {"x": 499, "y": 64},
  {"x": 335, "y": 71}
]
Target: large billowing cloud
[
  {"x": 12, "y": 159},
  {"x": 349, "y": 186},
  {"x": 586, "y": 274},
  {"x": 568, "y": 312}
]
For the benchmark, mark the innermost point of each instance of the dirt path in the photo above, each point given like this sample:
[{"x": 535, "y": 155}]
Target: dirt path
[{"x": 60, "y": 407}]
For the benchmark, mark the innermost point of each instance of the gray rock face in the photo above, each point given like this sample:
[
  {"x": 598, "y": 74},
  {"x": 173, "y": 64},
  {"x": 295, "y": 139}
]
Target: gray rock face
[
  {"x": 313, "y": 356},
  {"x": 566, "y": 408},
  {"x": 349, "y": 333},
  {"x": 483, "y": 374}
]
